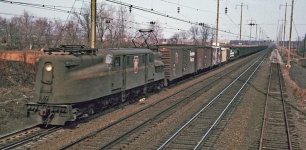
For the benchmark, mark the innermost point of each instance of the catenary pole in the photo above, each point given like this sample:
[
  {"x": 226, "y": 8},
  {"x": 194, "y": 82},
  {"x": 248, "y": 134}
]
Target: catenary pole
[
  {"x": 290, "y": 34},
  {"x": 93, "y": 23}
]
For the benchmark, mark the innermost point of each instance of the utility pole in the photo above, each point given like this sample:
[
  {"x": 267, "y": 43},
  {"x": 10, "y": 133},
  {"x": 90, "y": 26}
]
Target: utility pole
[
  {"x": 259, "y": 36},
  {"x": 291, "y": 20},
  {"x": 280, "y": 37},
  {"x": 304, "y": 46},
  {"x": 93, "y": 23},
  {"x": 241, "y": 8},
  {"x": 217, "y": 26},
  {"x": 256, "y": 32},
  {"x": 284, "y": 38},
  {"x": 251, "y": 24}
]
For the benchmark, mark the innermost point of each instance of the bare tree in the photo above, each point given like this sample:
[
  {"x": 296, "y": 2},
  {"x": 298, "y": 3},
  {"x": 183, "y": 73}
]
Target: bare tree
[
  {"x": 157, "y": 29},
  {"x": 121, "y": 27},
  {"x": 155, "y": 34},
  {"x": 104, "y": 18},
  {"x": 3, "y": 30},
  {"x": 212, "y": 37},
  {"x": 71, "y": 36},
  {"x": 83, "y": 19},
  {"x": 194, "y": 31},
  {"x": 27, "y": 31},
  {"x": 49, "y": 37},
  {"x": 39, "y": 31},
  {"x": 175, "y": 38},
  {"x": 14, "y": 33},
  {"x": 184, "y": 36},
  {"x": 26, "y": 26},
  {"x": 204, "y": 33},
  {"x": 57, "y": 32}
]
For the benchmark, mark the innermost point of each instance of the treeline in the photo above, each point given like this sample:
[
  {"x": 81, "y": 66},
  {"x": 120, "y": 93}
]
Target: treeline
[{"x": 115, "y": 28}]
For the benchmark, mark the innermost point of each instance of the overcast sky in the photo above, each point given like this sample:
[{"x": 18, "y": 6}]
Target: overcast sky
[{"x": 266, "y": 13}]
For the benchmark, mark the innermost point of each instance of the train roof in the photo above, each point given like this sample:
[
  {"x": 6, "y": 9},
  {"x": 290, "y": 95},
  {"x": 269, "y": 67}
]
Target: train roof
[
  {"x": 127, "y": 51},
  {"x": 183, "y": 45}
]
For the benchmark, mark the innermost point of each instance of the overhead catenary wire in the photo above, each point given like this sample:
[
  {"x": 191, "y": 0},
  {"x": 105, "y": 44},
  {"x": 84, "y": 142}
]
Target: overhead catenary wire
[
  {"x": 35, "y": 5},
  {"x": 165, "y": 15},
  {"x": 66, "y": 21},
  {"x": 55, "y": 8},
  {"x": 189, "y": 7},
  {"x": 296, "y": 31}
]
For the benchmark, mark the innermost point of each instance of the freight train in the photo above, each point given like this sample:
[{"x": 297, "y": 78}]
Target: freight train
[{"x": 74, "y": 81}]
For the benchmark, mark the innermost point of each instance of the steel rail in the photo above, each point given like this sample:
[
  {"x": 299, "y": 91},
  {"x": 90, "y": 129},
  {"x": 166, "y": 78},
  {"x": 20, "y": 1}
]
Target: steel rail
[
  {"x": 3, "y": 137},
  {"x": 283, "y": 107},
  {"x": 219, "y": 117},
  {"x": 30, "y": 138},
  {"x": 265, "y": 111},
  {"x": 205, "y": 107}
]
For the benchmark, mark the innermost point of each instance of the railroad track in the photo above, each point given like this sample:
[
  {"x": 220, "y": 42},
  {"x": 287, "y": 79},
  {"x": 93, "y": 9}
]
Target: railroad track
[
  {"x": 193, "y": 134},
  {"x": 20, "y": 138},
  {"x": 275, "y": 132},
  {"x": 112, "y": 134}
]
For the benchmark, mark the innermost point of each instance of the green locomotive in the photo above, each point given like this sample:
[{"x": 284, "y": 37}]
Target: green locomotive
[{"x": 73, "y": 81}]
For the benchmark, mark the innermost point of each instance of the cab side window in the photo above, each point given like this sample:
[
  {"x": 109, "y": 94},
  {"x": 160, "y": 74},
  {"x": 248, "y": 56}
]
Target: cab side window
[
  {"x": 143, "y": 59},
  {"x": 151, "y": 58},
  {"x": 129, "y": 61},
  {"x": 117, "y": 62}
]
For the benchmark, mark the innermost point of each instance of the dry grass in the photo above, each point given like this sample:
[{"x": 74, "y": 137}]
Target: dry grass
[{"x": 16, "y": 89}]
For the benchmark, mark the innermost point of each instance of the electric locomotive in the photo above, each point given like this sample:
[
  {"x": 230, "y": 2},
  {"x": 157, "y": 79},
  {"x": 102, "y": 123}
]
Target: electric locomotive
[{"x": 74, "y": 81}]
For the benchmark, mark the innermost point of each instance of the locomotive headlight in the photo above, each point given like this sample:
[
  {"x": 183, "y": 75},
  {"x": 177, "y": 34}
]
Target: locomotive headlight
[{"x": 48, "y": 67}]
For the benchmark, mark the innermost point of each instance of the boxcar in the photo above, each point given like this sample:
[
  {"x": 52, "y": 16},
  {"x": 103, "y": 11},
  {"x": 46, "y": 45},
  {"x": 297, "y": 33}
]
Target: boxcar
[
  {"x": 179, "y": 60},
  {"x": 216, "y": 57},
  {"x": 224, "y": 56},
  {"x": 203, "y": 57}
]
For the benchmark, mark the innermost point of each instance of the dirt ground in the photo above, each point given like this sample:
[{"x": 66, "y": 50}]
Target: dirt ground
[
  {"x": 298, "y": 75},
  {"x": 296, "y": 89},
  {"x": 16, "y": 89}
]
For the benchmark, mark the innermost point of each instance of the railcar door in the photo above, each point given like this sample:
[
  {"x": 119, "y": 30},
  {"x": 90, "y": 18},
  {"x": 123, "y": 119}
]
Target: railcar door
[
  {"x": 117, "y": 74},
  {"x": 150, "y": 67},
  {"x": 135, "y": 71}
]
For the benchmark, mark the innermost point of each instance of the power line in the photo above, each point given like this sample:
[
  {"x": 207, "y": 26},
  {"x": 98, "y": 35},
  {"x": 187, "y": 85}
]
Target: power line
[
  {"x": 66, "y": 20},
  {"x": 39, "y": 6},
  {"x": 296, "y": 29},
  {"x": 232, "y": 21},
  {"x": 164, "y": 15},
  {"x": 189, "y": 7}
]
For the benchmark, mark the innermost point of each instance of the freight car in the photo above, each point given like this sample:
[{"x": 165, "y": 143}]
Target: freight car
[
  {"x": 244, "y": 50},
  {"x": 181, "y": 61},
  {"x": 74, "y": 81}
]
